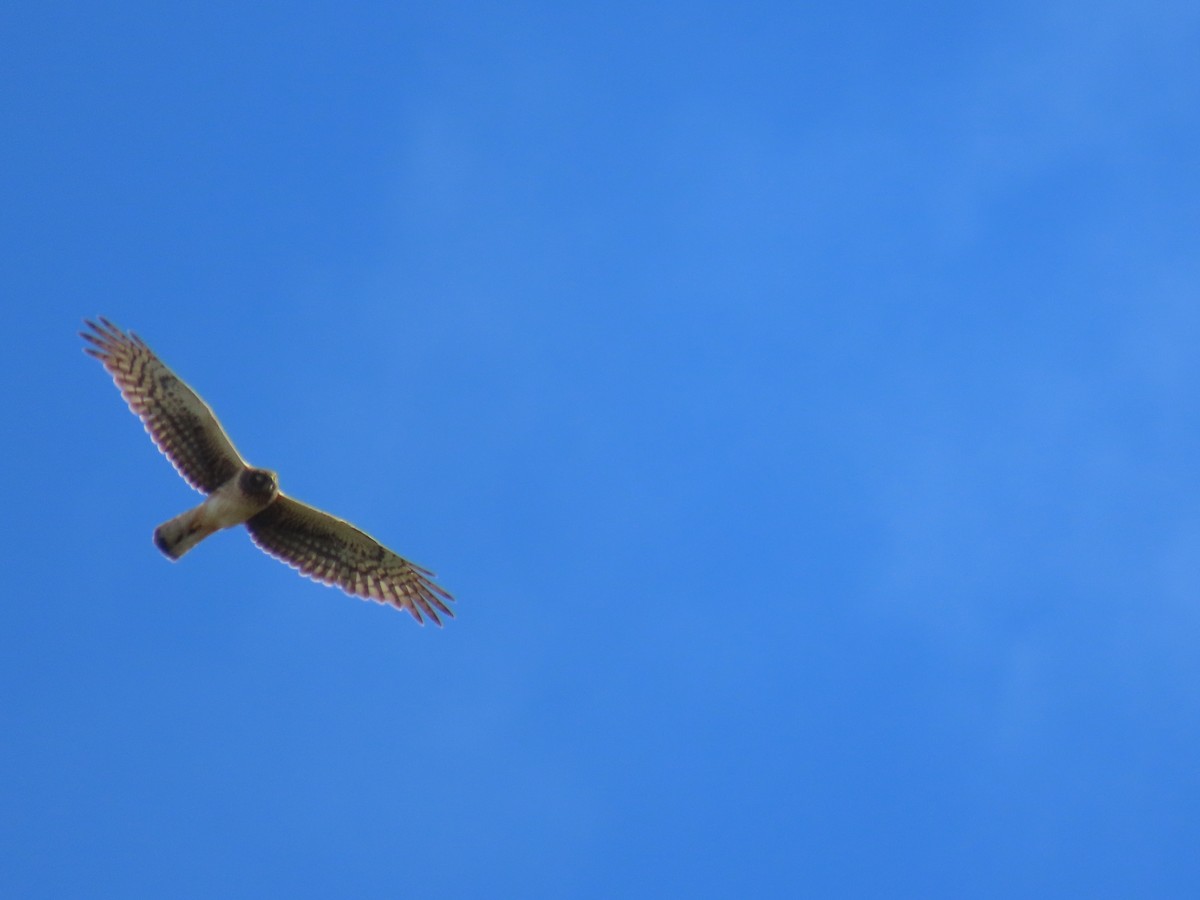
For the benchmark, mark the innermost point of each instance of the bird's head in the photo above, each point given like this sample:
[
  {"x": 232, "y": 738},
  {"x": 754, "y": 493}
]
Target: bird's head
[{"x": 259, "y": 483}]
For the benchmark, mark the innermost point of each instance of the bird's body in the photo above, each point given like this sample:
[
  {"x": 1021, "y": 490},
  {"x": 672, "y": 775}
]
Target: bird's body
[
  {"x": 321, "y": 546},
  {"x": 244, "y": 495}
]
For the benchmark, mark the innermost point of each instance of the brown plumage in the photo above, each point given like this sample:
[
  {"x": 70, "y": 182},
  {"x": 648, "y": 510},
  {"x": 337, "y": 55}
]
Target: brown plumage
[{"x": 317, "y": 544}]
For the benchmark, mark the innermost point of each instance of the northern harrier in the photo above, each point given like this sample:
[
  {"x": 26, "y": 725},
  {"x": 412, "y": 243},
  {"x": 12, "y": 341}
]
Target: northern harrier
[{"x": 321, "y": 546}]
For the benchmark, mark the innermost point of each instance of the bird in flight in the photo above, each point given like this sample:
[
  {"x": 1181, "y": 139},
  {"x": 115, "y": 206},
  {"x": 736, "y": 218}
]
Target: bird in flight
[{"x": 320, "y": 546}]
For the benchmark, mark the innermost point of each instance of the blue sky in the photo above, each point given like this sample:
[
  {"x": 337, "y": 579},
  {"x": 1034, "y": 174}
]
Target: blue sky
[{"x": 800, "y": 400}]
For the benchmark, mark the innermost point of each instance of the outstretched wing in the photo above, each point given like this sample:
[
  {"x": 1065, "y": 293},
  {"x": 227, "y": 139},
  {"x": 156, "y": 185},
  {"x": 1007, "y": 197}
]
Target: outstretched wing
[
  {"x": 332, "y": 551},
  {"x": 182, "y": 425}
]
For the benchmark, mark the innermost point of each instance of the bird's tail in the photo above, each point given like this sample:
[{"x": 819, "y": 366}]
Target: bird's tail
[{"x": 182, "y": 533}]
